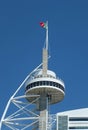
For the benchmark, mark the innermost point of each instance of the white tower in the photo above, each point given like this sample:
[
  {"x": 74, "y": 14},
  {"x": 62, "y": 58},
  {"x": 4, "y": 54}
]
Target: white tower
[{"x": 42, "y": 87}]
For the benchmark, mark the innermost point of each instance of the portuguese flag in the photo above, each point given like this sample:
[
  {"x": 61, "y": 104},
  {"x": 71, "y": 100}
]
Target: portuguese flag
[{"x": 43, "y": 25}]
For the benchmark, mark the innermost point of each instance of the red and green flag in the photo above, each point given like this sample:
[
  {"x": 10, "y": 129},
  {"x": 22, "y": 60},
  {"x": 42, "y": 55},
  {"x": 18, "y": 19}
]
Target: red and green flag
[{"x": 43, "y": 25}]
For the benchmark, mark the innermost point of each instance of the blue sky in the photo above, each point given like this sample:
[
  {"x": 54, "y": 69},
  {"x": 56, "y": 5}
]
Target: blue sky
[{"x": 22, "y": 40}]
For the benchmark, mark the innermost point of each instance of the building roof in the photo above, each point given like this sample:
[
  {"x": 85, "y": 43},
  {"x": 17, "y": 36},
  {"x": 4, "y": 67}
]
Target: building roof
[{"x": 82, "y": 112}]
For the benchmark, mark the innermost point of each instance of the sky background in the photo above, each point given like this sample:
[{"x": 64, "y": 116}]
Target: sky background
[{"x": 22, "y": 40}]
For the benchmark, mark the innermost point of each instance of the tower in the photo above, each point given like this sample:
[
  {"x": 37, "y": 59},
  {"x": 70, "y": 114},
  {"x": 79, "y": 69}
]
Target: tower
[{"x": 42, "y": 88}]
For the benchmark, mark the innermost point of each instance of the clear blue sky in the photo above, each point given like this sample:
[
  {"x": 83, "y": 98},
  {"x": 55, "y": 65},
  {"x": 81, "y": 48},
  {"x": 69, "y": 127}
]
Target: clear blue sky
[{"x": 22, "y": 40}]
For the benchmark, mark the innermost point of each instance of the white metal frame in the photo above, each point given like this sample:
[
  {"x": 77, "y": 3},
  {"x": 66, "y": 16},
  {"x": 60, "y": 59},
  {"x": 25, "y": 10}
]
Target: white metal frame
[
  {"x": 23, "y": 107},
  {"x": 19, "y": 104}
]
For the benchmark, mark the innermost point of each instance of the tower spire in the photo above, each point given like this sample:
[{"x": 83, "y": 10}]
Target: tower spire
[
  {"x": 47, "y": 35},
  {"x": 45, "y": 50},
  {"x": 45, "y": 25}
]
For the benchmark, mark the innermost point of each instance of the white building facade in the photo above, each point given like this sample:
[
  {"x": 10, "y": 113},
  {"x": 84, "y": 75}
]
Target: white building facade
[{"x": 73, "y": 120}]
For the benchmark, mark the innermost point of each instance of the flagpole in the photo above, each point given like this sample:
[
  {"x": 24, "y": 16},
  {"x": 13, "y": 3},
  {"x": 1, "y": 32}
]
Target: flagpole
[{"x": 47, "y": 35}]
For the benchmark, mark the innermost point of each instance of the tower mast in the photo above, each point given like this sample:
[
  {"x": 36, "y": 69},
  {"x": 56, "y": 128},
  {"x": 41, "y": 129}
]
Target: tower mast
[
  {"x": 45, "y": 52},
  {"x": 43, "y": 97},
  {"x": 47, "y": 35}
]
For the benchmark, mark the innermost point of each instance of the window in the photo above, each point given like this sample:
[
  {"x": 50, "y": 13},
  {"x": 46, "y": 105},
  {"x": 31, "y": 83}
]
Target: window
[
  {"x": 37, "y": 83},
  {"x": 62, "y": 122},
  {"x": 51, "y": 83},
  {"x": 54, "y": 83},
  {"x": 57, "y": 84},
  {"x": 78, "y": 119},
  {"x": 79, "y": 128},
  {"x": 40, "y": 83},
  {"x": 44, "y": 83},
  {"x": 47, "y": 83}
]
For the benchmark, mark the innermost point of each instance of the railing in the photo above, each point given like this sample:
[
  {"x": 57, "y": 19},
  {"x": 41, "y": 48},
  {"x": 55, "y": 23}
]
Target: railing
[{"x": 48, "y": 76}]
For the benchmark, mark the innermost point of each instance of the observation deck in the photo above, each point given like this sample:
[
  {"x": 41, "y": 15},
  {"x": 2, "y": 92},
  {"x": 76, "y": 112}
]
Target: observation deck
[{"x": 49, "y": 85}]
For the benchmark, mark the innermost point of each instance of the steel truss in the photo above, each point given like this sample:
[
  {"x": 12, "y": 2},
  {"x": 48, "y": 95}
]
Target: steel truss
[{"x": 20, "y": 114}]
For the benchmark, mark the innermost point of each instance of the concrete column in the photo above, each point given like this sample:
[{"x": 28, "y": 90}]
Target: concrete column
[
  {"x": 45, "y": 62},
  {"x": 43, "y": 121}
]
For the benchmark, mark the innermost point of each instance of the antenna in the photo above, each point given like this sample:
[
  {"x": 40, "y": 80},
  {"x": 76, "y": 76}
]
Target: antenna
[{"x": 45, "y": 52}]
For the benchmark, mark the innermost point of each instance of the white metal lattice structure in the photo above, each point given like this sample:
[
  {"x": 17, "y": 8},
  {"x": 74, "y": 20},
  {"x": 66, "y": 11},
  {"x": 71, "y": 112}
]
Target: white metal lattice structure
[
  {"x": 28, "y": 106},
  {"x": 20, "y": 109},
  {"x": 24, "y": 114}
]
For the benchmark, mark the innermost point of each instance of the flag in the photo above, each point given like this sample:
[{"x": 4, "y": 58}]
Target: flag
[{"x": 43, "y": 25}]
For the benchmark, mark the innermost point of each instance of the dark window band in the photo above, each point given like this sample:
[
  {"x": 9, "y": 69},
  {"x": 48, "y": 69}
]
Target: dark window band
[
  {"x": 42, "y": 83},
  {"x": 78, "y": 119},
  {"x": 81, "y": 127}
]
